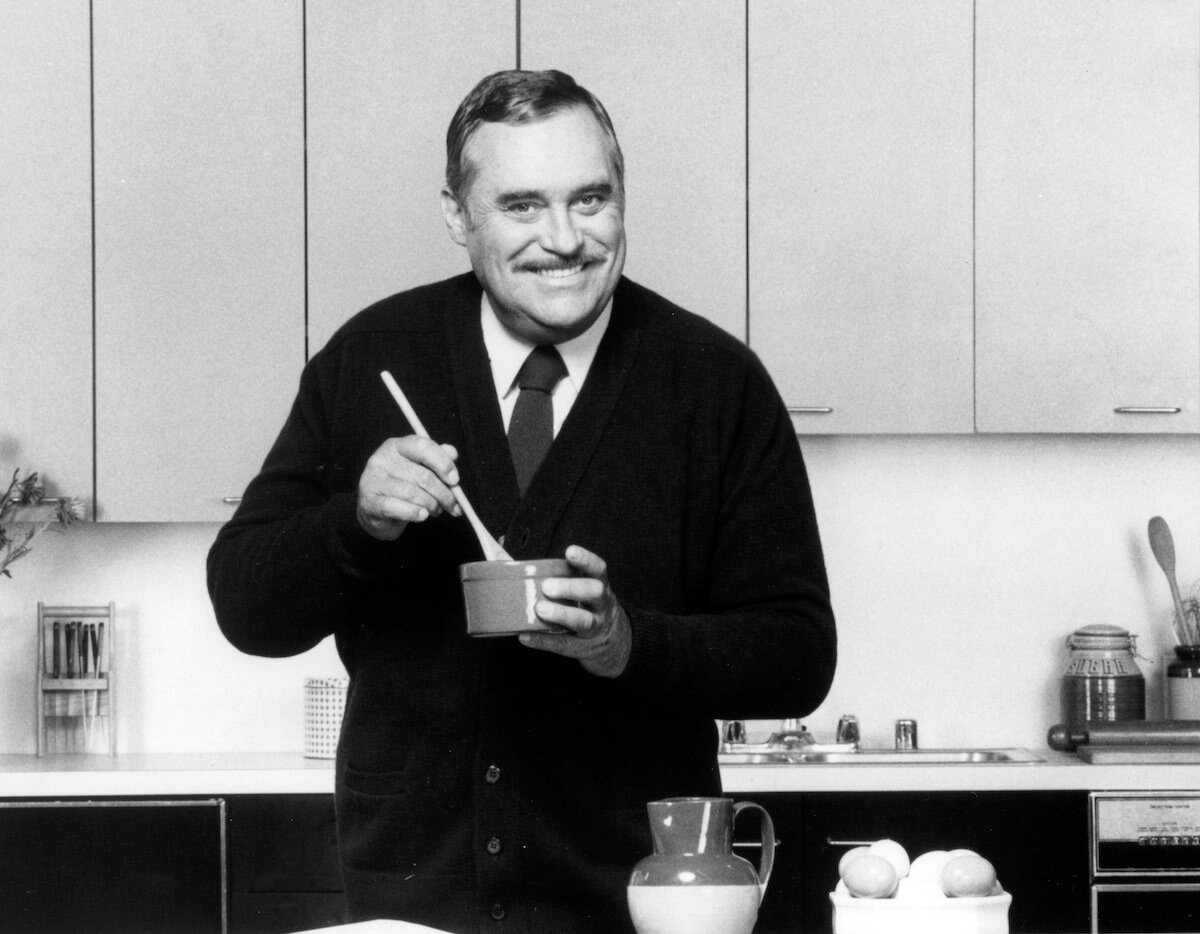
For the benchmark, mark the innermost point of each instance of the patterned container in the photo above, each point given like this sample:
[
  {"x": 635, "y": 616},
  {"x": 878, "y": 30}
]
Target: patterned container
[
  {"x": 1102, "y": 683},
  {"x": 324, "y": 703}
]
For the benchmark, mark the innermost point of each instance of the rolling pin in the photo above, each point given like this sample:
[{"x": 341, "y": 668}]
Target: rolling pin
[{"x": 1066, "y": 737}]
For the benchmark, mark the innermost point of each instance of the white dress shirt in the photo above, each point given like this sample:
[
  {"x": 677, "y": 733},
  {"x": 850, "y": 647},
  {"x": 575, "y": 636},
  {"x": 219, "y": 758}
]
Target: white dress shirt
[{"x": 507, "y": 352}]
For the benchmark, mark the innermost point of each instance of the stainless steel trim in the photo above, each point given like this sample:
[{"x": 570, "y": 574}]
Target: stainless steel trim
[
  {"x": 1148, "y": 410},
  {"x": 809, "y": 410}
]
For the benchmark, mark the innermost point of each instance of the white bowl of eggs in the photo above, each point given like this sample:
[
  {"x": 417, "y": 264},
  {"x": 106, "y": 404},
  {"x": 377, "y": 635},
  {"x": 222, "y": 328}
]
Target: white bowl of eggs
[{"x": 880, "y": 891}]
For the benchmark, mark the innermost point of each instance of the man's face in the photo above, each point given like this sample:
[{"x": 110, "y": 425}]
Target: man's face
[{"x": 543, "y": 222}]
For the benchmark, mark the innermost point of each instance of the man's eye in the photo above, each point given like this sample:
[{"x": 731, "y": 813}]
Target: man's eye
[
  {"x": 591, "y": 202},
  {"x": 520, "y": 208}
]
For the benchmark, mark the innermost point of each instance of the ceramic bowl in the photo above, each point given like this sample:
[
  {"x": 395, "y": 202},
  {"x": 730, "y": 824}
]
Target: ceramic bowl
[
  {"x": 936, "y": 915},
  {"x": 500, "y": 595}
]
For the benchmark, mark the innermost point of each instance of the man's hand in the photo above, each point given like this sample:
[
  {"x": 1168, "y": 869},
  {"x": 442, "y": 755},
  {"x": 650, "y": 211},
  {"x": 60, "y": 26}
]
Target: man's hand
[
  {"x": 407, "y": 480},
  {"x": 599, "y": 636}
]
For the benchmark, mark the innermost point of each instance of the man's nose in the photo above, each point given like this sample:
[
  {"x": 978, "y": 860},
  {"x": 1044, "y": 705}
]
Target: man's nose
[{"x": 560, "y": 232}]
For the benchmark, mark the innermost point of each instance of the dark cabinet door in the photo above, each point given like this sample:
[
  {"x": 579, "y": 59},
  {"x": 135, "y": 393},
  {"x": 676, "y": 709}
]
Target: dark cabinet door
[
  {"x": 283, "y": 864},
  {"x": 112, "y": 866},
  {"x": 1037, "y": 840}
]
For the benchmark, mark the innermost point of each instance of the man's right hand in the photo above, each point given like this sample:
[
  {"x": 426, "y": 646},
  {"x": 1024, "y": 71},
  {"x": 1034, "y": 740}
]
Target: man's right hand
[{"x": 407, "y": 480}]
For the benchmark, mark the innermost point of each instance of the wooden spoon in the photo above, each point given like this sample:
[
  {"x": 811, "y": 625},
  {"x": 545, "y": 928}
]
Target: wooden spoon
[
  {"x": 1163, "y": 546},
  {"x": 492, "y": 549}
]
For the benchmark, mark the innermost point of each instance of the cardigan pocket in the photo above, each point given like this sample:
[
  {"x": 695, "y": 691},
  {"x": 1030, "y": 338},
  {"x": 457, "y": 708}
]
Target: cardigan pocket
[{"x": 375, "y": 784}]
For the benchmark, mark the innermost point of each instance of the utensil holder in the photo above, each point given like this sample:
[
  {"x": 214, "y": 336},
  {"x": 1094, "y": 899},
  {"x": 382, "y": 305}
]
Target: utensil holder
[
  {"x": 76, "y": 704},
  {"x": 324, "y": 704}
]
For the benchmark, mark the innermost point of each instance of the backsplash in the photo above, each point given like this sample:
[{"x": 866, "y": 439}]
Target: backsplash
[{"x": 958, "y": 565}]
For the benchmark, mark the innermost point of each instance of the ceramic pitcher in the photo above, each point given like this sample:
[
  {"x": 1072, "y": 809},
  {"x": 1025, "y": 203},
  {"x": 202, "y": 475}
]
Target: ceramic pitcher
[{"x": 693, "y": 883}]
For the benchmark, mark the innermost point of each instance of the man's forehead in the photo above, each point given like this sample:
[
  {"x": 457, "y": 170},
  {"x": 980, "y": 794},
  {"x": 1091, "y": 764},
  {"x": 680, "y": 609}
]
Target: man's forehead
[{"x": 570, "y": 139}]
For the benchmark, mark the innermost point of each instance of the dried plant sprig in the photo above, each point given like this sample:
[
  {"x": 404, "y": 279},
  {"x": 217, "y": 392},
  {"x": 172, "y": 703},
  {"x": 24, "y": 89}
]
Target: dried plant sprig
[{"x": 16, "y": 533}]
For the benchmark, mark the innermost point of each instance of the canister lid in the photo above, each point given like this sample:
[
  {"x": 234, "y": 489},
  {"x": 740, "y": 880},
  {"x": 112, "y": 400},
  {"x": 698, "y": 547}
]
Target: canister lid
[{"x": 1101, "y": 636}]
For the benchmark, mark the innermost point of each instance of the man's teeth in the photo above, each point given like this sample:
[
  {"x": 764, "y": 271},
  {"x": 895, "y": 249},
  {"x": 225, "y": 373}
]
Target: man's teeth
[{"x": 560, "y": 272}]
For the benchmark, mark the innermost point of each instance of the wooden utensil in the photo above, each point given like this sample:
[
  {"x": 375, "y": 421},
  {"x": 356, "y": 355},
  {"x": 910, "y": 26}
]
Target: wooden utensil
[
  {"x": 1163, "y": 546},
  {"x": 492, "y": 549}
]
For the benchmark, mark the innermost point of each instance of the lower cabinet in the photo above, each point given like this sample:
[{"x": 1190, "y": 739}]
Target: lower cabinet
[
  {"x": 238, "y": 864},
  {"x": 119, "y": 866},
  {"x": 268, "y": 863},
  {"x": 1037, "y": 840},
  {"x": 283, "y": 864}
]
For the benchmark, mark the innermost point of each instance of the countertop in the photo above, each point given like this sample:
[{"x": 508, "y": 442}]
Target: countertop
[{"x": 27, "y": 776}]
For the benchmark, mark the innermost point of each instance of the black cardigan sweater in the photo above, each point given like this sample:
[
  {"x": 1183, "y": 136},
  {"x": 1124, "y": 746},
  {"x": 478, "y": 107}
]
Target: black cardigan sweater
[{"x": 478, "y": 780}]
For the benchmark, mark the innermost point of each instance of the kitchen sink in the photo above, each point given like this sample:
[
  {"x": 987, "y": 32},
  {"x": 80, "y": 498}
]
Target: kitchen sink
[{"x": 749, "y": 755}]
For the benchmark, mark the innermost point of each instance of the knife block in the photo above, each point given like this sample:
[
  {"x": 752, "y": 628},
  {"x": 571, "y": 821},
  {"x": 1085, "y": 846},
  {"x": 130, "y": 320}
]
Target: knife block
[{"x": 76, "y": 705}]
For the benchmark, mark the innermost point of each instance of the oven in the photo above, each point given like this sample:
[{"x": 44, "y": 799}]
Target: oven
[{"x": 1145, "y": 862}]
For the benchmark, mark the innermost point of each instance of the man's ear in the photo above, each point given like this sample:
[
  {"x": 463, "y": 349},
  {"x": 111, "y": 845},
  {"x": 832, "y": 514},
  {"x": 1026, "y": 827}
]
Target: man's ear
[{"x": 456, "y": 217}]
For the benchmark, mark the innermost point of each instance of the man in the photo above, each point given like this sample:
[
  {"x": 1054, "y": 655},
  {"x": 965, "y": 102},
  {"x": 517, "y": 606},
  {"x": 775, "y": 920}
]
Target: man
[{"x": 501, "y": 783}]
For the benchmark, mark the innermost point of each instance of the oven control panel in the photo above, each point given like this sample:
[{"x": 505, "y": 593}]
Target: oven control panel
[{"x": 1145, "y": 833}]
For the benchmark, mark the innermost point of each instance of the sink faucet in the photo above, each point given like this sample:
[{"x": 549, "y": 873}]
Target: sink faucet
[{"x": 791, "y": 732}]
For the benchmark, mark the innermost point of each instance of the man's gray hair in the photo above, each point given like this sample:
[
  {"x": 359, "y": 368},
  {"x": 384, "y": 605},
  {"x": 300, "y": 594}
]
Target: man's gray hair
[{"x": 518, "y": 96}]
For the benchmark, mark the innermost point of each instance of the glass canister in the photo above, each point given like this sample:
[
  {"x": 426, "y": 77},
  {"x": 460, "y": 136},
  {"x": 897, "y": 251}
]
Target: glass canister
[
  {"x": 1183, "y": 684},
  {"x": 1102, "y": 683}
]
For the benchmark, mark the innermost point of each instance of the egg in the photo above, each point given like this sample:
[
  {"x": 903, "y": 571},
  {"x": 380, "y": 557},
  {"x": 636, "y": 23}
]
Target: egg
[
  {"x": 870, "y": 876},
  {"x": 848, "y": 857},
  {"x": 968, "y": 876},
  {"x": 929, "y": 865},
  {"x": 894, "y": 853}
]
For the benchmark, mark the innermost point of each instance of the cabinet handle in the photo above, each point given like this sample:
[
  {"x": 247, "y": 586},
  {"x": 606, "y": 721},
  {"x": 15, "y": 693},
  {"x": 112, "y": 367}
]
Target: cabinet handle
[
  {"x": 809, "y": 409},
  {"x": 1147, "y": 410},
  {"x": 231, "y": 500},
  {"x": 832, "y": 842}
]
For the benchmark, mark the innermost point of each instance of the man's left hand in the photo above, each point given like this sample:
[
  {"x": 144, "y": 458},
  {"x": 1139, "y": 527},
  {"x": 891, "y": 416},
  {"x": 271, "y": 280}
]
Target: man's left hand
[{"x": 598, "y": 629}]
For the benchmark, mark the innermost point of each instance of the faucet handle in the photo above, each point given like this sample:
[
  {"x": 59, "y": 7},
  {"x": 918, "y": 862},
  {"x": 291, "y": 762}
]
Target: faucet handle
[
  {"x": 906, "y": 734},
  {"x": 847, "y": 729},
  {"x": 734, "y": 731}
]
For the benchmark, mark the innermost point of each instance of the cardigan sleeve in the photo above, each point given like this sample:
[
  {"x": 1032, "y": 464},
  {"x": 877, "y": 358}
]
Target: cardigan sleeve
[
  {"x": 281, "y": 572},
  {"x": 763, "y": 644}
]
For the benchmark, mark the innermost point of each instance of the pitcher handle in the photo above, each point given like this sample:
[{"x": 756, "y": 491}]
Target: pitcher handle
[{"x": 767, "y": 827}]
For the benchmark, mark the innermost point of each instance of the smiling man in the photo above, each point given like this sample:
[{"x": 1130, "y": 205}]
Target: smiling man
[{"x": 501, "y": 783}]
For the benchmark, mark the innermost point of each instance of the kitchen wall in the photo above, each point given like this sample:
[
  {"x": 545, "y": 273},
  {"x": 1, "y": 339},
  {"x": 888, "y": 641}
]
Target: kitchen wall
[{"x": 958, "y": 565}]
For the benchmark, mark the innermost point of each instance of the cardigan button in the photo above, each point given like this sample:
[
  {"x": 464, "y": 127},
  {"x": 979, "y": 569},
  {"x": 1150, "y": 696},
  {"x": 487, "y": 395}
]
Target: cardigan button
[
  {"x": 498, "y": 912},
  {"x": 492, "y": 775},
  {"x": 494, "y": 846}
]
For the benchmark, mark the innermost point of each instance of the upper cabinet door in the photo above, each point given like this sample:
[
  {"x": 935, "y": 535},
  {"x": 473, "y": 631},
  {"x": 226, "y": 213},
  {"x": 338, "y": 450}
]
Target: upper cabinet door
[
  {"x": 1088, "y": 216},
  {"x": 672, "y": 77},
  {"x": 384, "y": 79},
  {"x": 199, "y": 158},
  {"x": 860, "y": 211},
  {"x": 46, "y": 246}
]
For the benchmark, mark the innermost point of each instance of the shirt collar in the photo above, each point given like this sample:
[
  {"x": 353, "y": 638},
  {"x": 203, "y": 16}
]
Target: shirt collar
[{"x": 507, "y": 352}]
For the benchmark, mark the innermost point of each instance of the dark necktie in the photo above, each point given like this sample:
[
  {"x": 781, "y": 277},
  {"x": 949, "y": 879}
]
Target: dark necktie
[{"x": 532, "y": 427}]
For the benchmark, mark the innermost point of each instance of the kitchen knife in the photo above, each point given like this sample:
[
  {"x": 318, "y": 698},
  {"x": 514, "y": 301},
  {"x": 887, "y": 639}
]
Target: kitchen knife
[{"x": 1067, "y": 737}]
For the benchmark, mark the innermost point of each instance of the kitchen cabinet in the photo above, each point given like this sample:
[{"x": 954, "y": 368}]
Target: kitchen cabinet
[
  {"x": 383, "y": 81},
  {"x": 1037, "y": 840},
  {"x": 860, "y": 192},
  {"x": 672, "y": 76},
  {"x": 1088, "y": 216},
  {"x": 112, "y": 866},
  {"x": 283, "y": 864},
  {"x": 199, "y": 249},
  {"x": 46, "y": 245}
]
